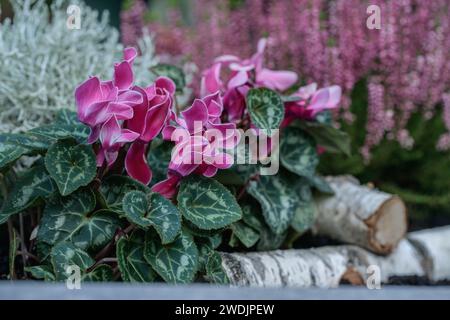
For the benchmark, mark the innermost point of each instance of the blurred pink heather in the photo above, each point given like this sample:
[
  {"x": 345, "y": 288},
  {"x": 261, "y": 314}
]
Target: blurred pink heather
[{"x": 406, "y": 63}]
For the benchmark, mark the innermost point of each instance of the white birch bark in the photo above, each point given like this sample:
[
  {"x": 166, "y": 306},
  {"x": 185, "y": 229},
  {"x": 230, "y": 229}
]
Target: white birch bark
[
  {"x": 434, "y": 244},
  {"x": 321, "y": 267},
  {"x": 359, "y": 215}
]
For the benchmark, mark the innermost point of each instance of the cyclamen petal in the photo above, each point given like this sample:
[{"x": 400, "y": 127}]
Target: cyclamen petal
[
  {"x": 86, "y": 94},
  {"x": 335, "y": 93},
  {"x": 129, "y": 54},
  {"x": 208, "y": 171},
  {"x": 166, "y": 83},
  {"x": 136, "y": 163},
  {"x": 168, "y": 188},
  {"x": 195, "y": 113},
  {"x": 307, "y": 91},
  {"x": 214, "y": 104},
  {"x": 155, "y": 119},
  {"x": 239, "y": 79},
  {"x": 123, "y": 75},
  {"x": 211, "y": 80},
  {"x": 130, "y": 97},
  {"x": 110, "y": 132},
  {"x": 276, "y": 80}
]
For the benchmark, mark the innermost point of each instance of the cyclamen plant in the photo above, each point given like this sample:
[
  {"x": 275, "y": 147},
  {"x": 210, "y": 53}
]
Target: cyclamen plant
[{"x": 116, "y": 194}]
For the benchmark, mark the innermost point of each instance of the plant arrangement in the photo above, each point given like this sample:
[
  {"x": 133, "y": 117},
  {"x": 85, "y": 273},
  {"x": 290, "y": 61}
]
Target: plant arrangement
[
  {"x": 129, "y": 187},
  {"x": 395, "y": 80}
]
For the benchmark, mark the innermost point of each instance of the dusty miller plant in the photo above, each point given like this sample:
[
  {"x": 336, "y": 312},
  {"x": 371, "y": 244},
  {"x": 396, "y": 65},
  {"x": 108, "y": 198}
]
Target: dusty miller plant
[{"x": 42, "y": 61}]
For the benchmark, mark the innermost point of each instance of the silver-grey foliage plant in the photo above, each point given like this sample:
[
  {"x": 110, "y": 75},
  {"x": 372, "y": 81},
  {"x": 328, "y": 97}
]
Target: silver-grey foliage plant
[{"x": 42, "y": 60}]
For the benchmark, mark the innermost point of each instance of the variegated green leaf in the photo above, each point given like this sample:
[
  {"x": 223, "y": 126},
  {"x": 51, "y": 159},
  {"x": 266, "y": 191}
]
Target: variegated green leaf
[
  {"x": 53, "y": 132},
  {"x": 24, "y": 140},
  {"x": 101, "y": 273},
  {"x": 298, "y": 152},
  {"x": 165, "y": 218},
  {"x": 304, "y": 217},
  {"x": 207, "y": 203},
  {"x": 114, "y": 189},
  {"x": 43, "y": 272},
  {"x": 66, "y": 116},
  {"x": 68, "y": 219},
  {"x": 71, "y": 165},
  {"x": 214, "y": 270},
  {"x": 251, "y": 217},
  {"x": 176, "y": 262},
  {"x": 204, "y": 250},
  {"x": 32, "y": 185},
  {"x": 130, "y": 258},
  {"x": 197, "y": 232},
  {"x": 246, "y": 235},
  {"x": 9, "y": 153},
  {"x": 158, "y": 159},
  {"x": 305, "y": 211},
  {"x": 153, "y": 210},
  {"x": 65, "y": 255},
  {"x": 206, "y": 246},
  {"x": 173, "y": 72},
  {"x": 327, "y": 136},
  {"x": 269, "y": 240},
  {"x": 278, "y": 198},
  {"x": 266, "y": 108}
]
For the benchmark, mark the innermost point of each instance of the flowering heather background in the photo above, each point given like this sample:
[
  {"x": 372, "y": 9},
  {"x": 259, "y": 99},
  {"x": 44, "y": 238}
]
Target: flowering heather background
[
  {"x": 396, "y": 81},
  {"x": 406, "y": 64}
]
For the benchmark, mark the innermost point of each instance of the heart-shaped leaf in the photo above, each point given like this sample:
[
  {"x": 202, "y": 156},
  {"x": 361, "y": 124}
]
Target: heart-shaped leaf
[
  {"x": 153, "y": 210},
  {"x": 130, "y": 257},
  {"x": 32, "y": 185},
  {"x": 53, "y": 132},
  {"x": 176, "y": 262},
  {"x": 207, "y": 203},
  {"x": 28, "y": 141},
  {"x": 327, "y": 136},
  {"x": 214, "y": 270},
  {"x": 9, "y": 153},
  {"x": 65, "y": 255},
  {"x": 278, "y": 198},
  {"x": 71, "y": 165},
  {"x": 66, "y": 116},
  {"x": 246, "y": 235},
  {"x": 43, "y": 272},
  {"x": 298, "y": 152},
  {"x": 101, "y": 273},
  {"x": 67, "y": 219},
  {"x": 265, "y": 107},
  {"x": 114, "y": 189},
  {"x": 305, "y": 211}
]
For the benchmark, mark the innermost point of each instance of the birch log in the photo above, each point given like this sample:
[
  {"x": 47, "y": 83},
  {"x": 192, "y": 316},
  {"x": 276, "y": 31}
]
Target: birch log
[
  {"x": 424, "y": 254},
  {"x": 360, "y": 215},
  {"x": 322, "y": 267},
  {"x": 434, "y": 244},
  {"x": 405, "y": 261}
]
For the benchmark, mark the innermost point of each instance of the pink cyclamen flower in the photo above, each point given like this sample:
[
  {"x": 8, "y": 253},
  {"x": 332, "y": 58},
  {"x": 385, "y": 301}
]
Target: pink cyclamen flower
[
  {"x": 245, "y": 72},
  {"x": 149, "y": 118},
  {"x": 311, "y": 102},
  {"x": 200, "y": 143},
  {"x": 119, "y": 112}
]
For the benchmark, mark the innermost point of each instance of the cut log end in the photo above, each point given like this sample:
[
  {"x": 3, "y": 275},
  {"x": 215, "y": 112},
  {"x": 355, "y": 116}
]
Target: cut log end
[
  {"x": 363, "y": 216},
  {"x": 387, "y": 226}
]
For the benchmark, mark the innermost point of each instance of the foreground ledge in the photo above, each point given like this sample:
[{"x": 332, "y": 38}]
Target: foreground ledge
[{"x": 30, "y": 290}]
